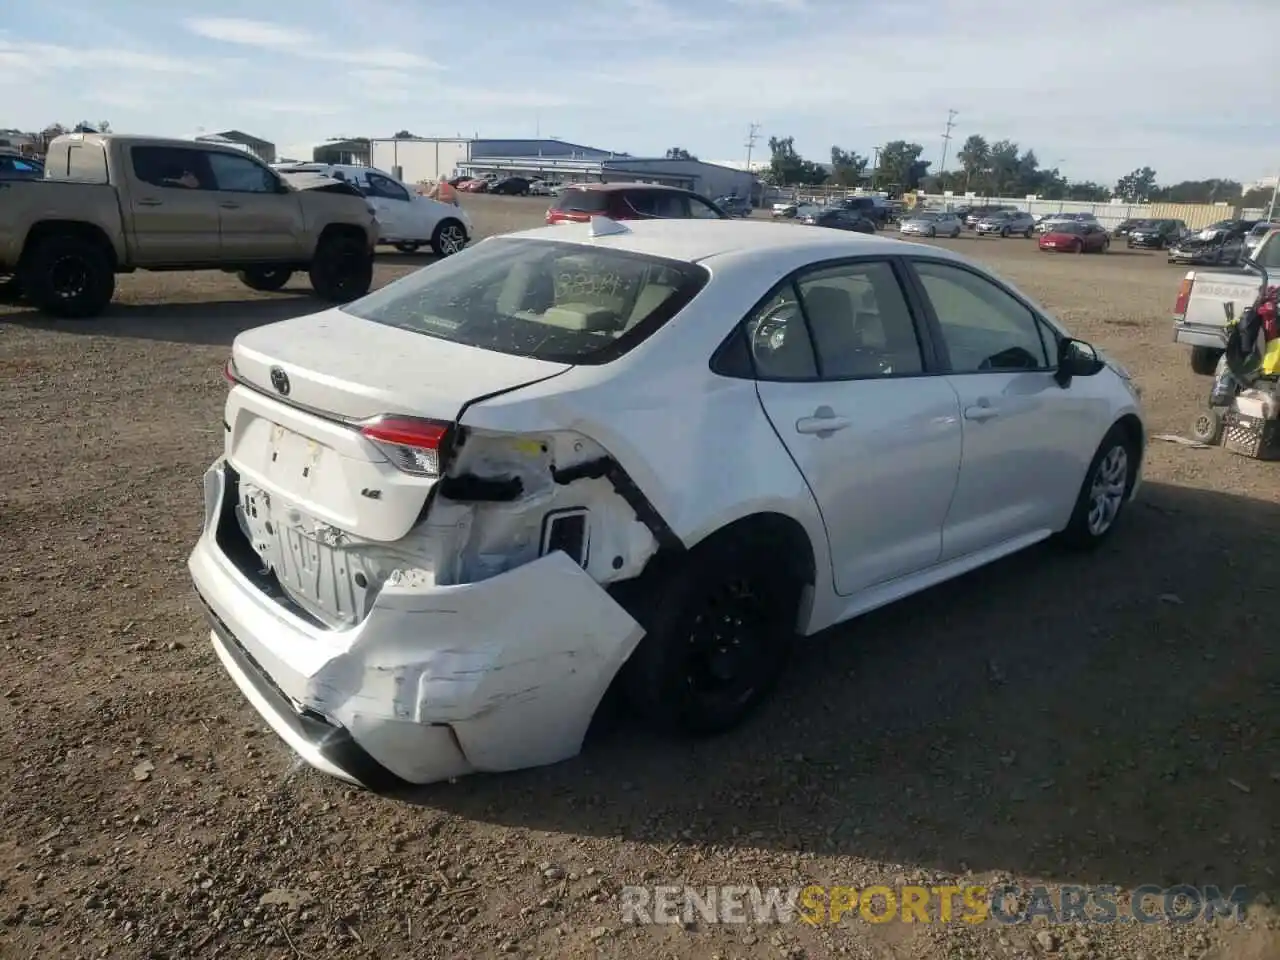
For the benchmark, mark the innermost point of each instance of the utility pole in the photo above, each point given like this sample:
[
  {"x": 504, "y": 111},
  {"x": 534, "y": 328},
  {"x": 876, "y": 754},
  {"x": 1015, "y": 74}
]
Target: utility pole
[
  {"x": 875, "y": 169},
  {"x": 1271, "y": 210},
  {"x": 946, "y": 139},
  {"x": 753, "y": 134}
]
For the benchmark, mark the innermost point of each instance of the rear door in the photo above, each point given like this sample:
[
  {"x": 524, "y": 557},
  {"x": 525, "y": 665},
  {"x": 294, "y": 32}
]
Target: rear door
[
  {"x": 172, "y": 206},
  {"x": 393, "y": 205},
  {"x": 259, "y": 218},
  {"x": 846, "y": 380}
]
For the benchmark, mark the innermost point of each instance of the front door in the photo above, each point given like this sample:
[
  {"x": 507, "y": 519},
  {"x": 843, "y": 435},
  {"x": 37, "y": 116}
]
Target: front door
[
  {"x": 173, "y": 211},
  {"x": 392, "y": 203},
  {"x": 842, "y": 377},
  {"x": 1024, "y": 435},
  {"x": 260, "y": 219}
]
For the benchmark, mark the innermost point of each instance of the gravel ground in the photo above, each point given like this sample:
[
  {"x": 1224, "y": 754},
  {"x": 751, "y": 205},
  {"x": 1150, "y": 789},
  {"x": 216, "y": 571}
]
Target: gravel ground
[{"x": 1110, "y": 719}]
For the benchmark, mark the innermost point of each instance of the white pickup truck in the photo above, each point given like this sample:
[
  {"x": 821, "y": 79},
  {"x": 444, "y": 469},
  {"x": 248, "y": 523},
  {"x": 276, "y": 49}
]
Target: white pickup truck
[{"x": 1199, "y": 319}]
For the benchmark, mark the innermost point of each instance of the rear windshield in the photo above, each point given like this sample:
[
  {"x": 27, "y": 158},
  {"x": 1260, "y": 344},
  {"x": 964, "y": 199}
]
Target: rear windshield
[
  {"x": 582, "y": 201},
  {"x": 562, "y": 302}
]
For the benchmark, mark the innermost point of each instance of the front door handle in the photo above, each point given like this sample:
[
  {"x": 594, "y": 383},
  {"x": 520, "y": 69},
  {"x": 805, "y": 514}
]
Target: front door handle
[
  {"x": 823, "y": 423},
  {"x": 229, "y": 205},
  {"x": 150, "y": 202},
  {"x": 981, "y": 412}
]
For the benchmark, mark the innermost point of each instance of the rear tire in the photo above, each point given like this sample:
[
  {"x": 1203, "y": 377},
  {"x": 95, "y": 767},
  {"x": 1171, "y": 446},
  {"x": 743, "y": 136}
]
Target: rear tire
[
  {"x": 266, "y": 279},
  {"x": 448, "y": 238},
  {"x": 68, "y": 276},
  {"x": 342, "y": 269},
  {"x": 933, "y": 232},
  {"x": 1027, "y": 234},
  {"x": 1105, "y": 491},
  {"x": 719, "y": 626},
  {"x": 1204, "y": 361}
]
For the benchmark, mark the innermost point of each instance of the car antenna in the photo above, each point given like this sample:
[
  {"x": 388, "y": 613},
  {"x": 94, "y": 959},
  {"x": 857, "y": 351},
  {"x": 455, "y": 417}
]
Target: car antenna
[{"x": 606, "y": 227}]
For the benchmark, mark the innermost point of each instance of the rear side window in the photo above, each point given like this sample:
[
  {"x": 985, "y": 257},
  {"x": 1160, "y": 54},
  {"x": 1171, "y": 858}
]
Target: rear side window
[
  {"x": 582, "y": 201},
  {"x": 172, "y": 167},
  {"x": 562, "y": 302},
  {"x": 659, "y": 204}
]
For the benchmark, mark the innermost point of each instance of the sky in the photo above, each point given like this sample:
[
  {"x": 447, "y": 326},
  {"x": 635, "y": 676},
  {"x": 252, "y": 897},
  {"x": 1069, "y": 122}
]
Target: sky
[{"x": 1095, "y": 87}]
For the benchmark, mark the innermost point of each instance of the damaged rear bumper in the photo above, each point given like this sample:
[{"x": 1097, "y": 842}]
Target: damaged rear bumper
[{"x": 436, "y": 681}]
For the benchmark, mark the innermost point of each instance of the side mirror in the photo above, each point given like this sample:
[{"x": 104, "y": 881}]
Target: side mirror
[{"x": 1076, "y": 359}]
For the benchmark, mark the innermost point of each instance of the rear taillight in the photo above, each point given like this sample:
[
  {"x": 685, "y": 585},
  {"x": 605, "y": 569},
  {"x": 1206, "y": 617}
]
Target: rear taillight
[
  {"x": 229, "y": 372},
  {"x": 1184, "y": 295},
  {"x": 410, "y": 443}
]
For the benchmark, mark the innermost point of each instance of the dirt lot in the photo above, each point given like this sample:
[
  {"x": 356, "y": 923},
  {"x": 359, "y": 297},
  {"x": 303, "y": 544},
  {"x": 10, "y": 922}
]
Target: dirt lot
[{"x": 1104, "y": 720}]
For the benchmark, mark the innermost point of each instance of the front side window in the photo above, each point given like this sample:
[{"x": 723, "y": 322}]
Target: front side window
[
  {"x": 379, "y": 186},
  {"x": 561, "y": 302},
  {"x": 240, "y": 174},
  {"x": 985, "y": 329}
]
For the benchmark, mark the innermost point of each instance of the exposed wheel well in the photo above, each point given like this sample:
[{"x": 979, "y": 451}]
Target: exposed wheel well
[
  {"x": 783, "y": 535},
  {"x": 70, "y": 228}
]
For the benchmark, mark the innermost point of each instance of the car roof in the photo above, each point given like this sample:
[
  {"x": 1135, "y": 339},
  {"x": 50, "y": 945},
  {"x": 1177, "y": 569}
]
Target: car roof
[{"x": 694, "y": 241}]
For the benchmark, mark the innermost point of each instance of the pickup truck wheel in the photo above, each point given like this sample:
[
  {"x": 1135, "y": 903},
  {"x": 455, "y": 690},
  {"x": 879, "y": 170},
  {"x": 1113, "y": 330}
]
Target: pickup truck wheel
[
  {"x": 1204, "y": 361},
  {"x": 68, "y": 276},
  {"x": 449, "y": 237},
  {"x": 265, "y": 278},
  {"x": 342, "y": 270},
  {"x": 719, "y": 626}
]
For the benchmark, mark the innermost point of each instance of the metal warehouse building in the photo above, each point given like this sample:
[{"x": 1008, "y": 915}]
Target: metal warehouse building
[{"x": 421, "y": 159}]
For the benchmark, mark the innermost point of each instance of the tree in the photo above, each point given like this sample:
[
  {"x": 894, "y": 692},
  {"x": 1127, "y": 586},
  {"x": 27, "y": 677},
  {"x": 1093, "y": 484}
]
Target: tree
[
  {"x": 901, "y": 166},
  {"x": 1257, "y": 197},
  {"x": 1198, "y": 191},
  {"x": 974, "y": 157},
  {"x": 848, "y": 168},
  {"x": 1002, "y": 166},
  {"x": 1136, "y": 186},
  {"x": 679, "y": 153},
  {"x": 786, "y": 167},
  {"x": 400, "y": 135},
  {"x": 1088, "y": 191}
]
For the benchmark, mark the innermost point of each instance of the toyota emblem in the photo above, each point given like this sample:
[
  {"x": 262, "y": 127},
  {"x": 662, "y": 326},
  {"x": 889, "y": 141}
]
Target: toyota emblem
[{"x": 280, "y": 380}]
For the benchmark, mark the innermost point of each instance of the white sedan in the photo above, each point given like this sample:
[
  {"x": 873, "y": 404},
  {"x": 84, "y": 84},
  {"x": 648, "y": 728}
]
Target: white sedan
[
  {"x": 406, "y": 220},
  {"x": 451, "y": 514}
]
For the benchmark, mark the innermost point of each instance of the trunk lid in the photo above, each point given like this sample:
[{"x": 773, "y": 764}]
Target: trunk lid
[{"x": 299, "y": 442}]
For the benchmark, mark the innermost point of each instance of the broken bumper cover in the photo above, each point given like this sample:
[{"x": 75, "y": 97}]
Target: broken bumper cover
[{"x": 436, "y": 682}]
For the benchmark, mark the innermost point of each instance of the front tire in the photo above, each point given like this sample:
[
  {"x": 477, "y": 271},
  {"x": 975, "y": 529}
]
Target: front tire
[
  {"x": 448, "y": 238},
  {"x": 933, "y": 232},
  {"x": 68, "y": 276},
  {"x": 719, "y": 626},
  {"x": 1004, "y": 233},
  {"x": 1104, "y": 492},
  {"x": 266, "y": 279},
  {"x": 342, "y": 269}
]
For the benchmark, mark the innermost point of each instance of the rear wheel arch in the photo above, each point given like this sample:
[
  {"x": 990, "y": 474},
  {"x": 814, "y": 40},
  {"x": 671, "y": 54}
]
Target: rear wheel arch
[{"x": 70, "y": 228}]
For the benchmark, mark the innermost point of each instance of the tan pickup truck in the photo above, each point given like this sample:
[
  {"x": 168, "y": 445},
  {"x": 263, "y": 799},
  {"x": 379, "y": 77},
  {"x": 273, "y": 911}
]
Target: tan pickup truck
[{"x": 113, "y": 204}]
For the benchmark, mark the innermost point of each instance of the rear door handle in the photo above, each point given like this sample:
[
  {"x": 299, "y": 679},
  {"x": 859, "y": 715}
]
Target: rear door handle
[
  {"x": 150, "y": 202},
  {"x": 823, "y": 423},
  {"x": 229, "y": 205},
  {"x": 981, "y": 412}
]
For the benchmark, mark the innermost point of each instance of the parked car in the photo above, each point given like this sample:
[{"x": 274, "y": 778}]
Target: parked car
[
  {"x": 838, "y": 218},
  {"x": 630, "y": 201},
  {"x": 543, "y": 188},
  {"x": 478, "y": 185},
  {"x": 510, "y": 187},
  {"x": 1257, "y": 235},
  {"x": 1075, "y": 237},
  {"x": 550, "y": 522},
  {"x": 407, "y": 220},
  {"x": 1155, "y": 234},
  {"x": 15, "y": 165},
  {"x": 113, "y": 204},
  {"x": 1006, "y": 223},
  {"x": 874, "y": 209},
  {"x": 973, "y": 215},
  {"x": 1123, "y": 228},
  {"x": 1226, "y": 229},
  {"x": 1225, "y": 249},
  {"x": 785, "y": 210},
  {"x": 1057, "y": 219},
  {"x": 735, "y": 206},
  {"x": 1199, "y": 317},
  {"x": 928, "y": 223}
]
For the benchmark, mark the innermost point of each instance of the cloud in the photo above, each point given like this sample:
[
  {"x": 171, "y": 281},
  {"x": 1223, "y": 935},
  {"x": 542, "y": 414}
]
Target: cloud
[
  {"x": 301, "y": 43},
  {"x": 46, "y": 58}
]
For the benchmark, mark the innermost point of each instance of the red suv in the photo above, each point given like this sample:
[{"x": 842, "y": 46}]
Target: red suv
[{"x": 631, "y": 201}]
